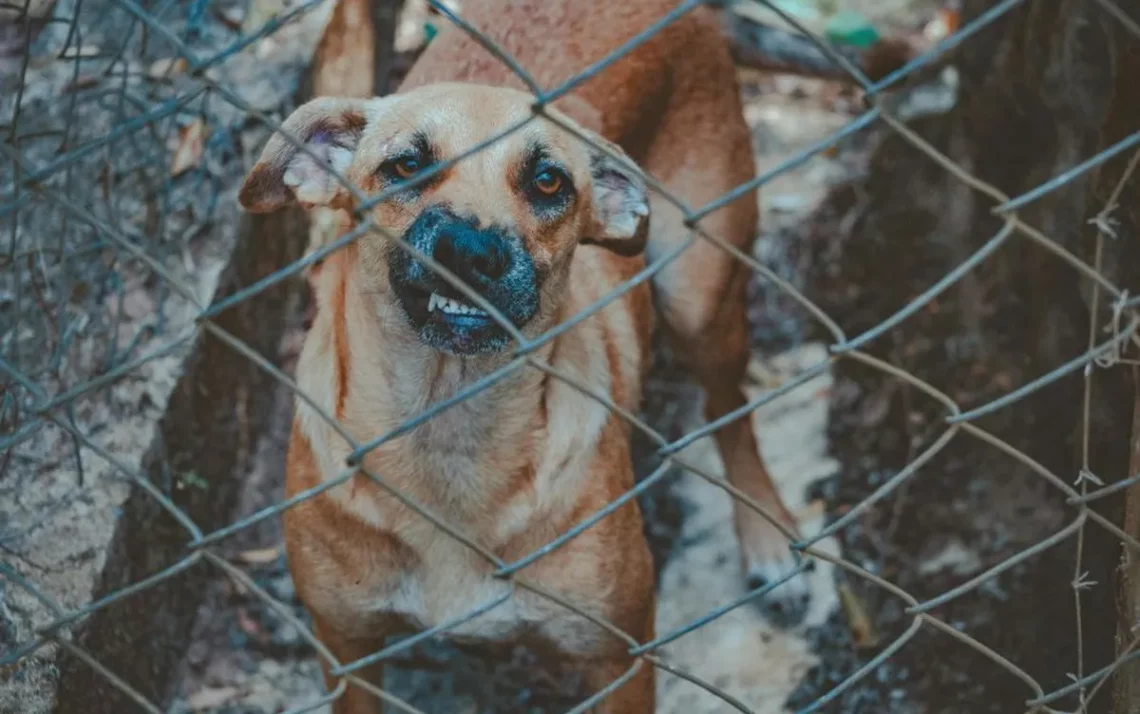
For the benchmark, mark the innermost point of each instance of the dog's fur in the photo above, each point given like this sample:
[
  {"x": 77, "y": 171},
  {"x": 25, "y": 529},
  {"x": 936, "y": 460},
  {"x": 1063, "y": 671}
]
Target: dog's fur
[{"x": 520, "y": 463}]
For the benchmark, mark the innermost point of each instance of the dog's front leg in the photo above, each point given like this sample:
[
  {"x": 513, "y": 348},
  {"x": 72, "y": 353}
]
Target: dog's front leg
[
  {"x": 634, "y": 697},
  {"x": 638, "y": 694},
  {"x": 356, "y": 699}
]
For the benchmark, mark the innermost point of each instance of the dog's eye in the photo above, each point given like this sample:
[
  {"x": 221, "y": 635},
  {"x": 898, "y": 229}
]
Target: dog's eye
[
  {"x": 406, "y": 167},
  {"x": 548, "y": 182},
  {"x": 403, "y": 168}
]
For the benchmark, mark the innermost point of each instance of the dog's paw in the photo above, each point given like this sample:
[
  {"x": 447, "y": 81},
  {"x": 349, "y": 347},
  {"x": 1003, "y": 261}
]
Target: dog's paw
[
  {"x": 769, "y": 564},
  {"x": 787, "y": 603}
]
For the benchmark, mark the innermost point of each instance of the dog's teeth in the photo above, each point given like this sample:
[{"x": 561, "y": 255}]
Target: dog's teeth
[{"x": 451, "y": 306}]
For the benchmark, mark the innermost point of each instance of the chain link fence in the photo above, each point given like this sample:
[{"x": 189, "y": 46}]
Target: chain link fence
[{"x": 110, "y": 192}]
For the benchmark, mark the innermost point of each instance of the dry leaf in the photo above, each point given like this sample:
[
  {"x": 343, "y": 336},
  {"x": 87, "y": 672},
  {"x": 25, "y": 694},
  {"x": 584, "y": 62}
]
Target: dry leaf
[
  {"x": 945, "y": 23},
  {"x": 167, "y": 67},
  {"x": 232, "y": 17},
  {"x": 859, "y": 621},
  {"x": 83, "y": 52},
  {"x": 36, "y": 10},
  {"x": 876, "y": 408},
  {"x": 259, "y": 556},
  {"x": 763, "y": 375},
  {"x": 237, "y": 587},
  {"x": 83, "y": 82},
  {"x": 191, "y": 145},
  {"x": 211, "y": 697},
  {"x": 260, "y": 12},
  {"x": 811, "y": 510},
  {"x": 251, "y": 627}
]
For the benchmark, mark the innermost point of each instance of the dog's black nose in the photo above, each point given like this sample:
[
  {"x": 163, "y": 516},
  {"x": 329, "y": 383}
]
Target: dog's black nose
[{"x": 472, "y": 254}]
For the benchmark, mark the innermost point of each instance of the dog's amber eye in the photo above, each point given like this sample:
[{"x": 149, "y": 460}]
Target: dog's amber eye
[
  {"x": 548, "y": 182},
  {"x": 407, "y": 167}
]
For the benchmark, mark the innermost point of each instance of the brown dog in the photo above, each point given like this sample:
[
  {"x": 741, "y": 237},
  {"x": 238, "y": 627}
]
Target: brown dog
[{"x": 541, "y": 225}]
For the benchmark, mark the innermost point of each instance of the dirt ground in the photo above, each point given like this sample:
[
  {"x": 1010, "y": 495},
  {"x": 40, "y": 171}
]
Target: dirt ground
[{"x": 75, "y": 305}]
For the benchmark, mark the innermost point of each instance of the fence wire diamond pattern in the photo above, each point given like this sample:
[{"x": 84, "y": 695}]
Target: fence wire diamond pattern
[{"x": 58, "y": 182}]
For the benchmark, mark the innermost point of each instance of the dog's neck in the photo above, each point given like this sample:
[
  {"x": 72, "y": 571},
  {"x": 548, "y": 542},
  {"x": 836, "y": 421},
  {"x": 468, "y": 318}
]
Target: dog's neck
[{"x": 363, "y": 367}]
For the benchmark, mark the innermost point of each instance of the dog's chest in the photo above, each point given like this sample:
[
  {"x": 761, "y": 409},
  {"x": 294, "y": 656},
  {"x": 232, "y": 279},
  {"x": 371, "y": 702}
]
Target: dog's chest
[
  {"x": 473, "y": 606},
  {"x": 427, "y": 600}
]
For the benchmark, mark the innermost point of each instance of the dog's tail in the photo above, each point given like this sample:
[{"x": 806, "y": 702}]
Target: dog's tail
[{"x": 769, "y": 48}]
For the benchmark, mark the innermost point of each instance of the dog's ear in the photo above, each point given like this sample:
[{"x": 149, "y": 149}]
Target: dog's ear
[
  {"x": 330, "y": 128},
  {"x": 621, "y": 205}
]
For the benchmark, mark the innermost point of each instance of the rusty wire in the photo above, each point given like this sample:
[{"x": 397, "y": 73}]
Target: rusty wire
[{"x": 129, "y": 145}]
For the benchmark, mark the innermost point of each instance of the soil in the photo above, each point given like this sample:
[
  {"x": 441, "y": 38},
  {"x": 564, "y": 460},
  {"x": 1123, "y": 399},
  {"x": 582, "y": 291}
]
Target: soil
[{"x": 967, "y": 510}]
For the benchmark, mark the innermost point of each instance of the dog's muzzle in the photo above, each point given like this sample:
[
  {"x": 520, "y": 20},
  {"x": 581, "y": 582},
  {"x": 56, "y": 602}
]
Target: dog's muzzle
[{"x": 490, "y": 260}]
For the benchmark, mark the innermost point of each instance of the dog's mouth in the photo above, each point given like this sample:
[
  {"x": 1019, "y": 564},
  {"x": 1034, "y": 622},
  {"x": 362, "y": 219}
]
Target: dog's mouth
[
  {"x": 492, "y": 261},
  {"x": 448, "y": 321},
  {"x": 455, "y": 308},
  {"x": 446, "y": 307}
]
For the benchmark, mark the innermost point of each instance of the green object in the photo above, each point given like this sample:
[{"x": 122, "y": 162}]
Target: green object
[
  {"x": 798, "y": 9},
  {"x": 429, "y": 32},
  {"x": 847, "y": 27},
  {"x": 191, "y": 479}
]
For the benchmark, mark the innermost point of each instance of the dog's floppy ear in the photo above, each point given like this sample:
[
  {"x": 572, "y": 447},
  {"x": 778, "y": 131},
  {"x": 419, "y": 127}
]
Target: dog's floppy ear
[
  {"x": 621, "y": 205},
  {"x": 330, "y": 128}
]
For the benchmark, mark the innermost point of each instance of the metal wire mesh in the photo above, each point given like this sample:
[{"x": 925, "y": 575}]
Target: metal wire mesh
[{"x": 90, "y": 207}]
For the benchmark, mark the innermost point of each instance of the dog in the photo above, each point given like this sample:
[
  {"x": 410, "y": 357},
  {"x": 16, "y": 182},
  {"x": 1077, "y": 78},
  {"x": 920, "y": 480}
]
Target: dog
[{"x": 539, "y": 224}]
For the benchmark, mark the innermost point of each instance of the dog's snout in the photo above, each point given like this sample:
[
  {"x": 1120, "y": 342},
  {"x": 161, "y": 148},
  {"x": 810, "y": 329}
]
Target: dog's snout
[
  {"x": 471, "y": 253},
  {"x": 489, "y": 259}
]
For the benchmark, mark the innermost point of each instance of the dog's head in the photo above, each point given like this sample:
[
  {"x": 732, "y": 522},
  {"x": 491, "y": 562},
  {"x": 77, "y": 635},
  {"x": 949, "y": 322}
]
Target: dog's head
[{"x": 505, "y": 220}]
